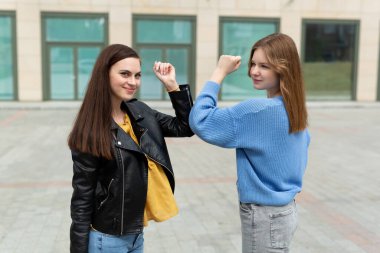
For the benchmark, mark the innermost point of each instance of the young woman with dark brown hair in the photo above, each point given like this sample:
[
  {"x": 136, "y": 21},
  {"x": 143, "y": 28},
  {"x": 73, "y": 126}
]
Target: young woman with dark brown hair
[
  {"x": 123, "y": 176},
  {"x": 270, "y": 137}
]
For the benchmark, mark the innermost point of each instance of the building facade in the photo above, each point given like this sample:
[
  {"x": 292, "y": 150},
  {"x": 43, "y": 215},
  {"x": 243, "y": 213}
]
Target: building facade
[{"x": 48, "y": 47}]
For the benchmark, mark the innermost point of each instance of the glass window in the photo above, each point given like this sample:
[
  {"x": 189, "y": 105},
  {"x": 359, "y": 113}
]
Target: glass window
[
  {"x": 75, "y": 29},
  {"x": 7, "y": 64},
  {"x": 72, "y": 44},
  {"x": 329, "y": 59},
  {"x": 163, "y": 31},
  {"x": 62, "y": 72},
  {"x": 168, "y": 39},
  {"x": 237, "y": 38}
]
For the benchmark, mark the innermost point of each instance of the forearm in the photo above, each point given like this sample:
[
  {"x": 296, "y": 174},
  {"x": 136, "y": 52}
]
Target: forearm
[
  {"x": 226, "y": 65},
  {"x": 178, "y": 126},
  {"x": 218, "y": 76}
]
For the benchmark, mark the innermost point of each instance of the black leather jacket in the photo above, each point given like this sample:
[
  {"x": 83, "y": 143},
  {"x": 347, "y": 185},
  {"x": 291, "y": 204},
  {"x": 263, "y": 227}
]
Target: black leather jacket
[{"x": 110, "y": 195}]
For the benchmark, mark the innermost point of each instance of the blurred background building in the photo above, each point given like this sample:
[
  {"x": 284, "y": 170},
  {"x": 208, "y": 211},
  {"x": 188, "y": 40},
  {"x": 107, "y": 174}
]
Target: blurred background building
[{"x": 48, "y": 47}]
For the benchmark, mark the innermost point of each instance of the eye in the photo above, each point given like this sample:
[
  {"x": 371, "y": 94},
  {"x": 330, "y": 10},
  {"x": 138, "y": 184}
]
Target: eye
[
  {"x": 125, "y": 73},
  {"x": 138, "y": 76}
]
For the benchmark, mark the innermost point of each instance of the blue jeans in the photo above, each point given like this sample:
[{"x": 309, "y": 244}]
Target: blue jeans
[
  {"x": 267, "y": 228},
  {"x": 104, "y": 243}
]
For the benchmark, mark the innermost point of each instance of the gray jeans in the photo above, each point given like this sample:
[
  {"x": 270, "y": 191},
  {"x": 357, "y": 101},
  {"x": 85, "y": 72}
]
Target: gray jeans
[{"x": 267, "y": 228}]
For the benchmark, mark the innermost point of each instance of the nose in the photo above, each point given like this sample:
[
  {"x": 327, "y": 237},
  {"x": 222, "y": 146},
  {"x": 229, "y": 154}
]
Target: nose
[
  {"x": 132, "y": 80},
  {"x": 254, "y": 71}
]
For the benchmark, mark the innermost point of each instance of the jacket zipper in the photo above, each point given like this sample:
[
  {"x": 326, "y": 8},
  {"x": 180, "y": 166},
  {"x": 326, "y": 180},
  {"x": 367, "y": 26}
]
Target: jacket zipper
[
  {"x": 122, "y": 204},
  {"x": 188, "y": 96},
  {"x": 122, "y": 164},
  {"x": 123, "y": 189},
  {"x": 108, "y": 194}
]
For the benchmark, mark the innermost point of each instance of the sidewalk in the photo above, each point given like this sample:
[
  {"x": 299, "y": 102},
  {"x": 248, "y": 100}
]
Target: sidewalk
[{"x": 338, "y": 207}]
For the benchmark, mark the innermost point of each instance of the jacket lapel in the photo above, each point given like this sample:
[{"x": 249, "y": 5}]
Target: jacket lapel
[
  {"x": 148, "y": 144},
  {"x": 124, "y": 140}
]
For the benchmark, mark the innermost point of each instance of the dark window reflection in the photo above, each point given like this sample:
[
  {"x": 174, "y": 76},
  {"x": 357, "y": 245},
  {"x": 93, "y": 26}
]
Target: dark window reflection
[
  {"x": 329, "y": 42},
  {"x": 329, "y": 60}
]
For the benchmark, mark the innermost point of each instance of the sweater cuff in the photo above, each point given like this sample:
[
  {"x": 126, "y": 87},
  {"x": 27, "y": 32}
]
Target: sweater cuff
[{"x": 211, "y": 87}]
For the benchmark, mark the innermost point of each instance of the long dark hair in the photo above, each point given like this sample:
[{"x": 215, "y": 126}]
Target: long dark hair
[
  {"x": 283, "y": 57},
  {"x": 91, "y": 131}
]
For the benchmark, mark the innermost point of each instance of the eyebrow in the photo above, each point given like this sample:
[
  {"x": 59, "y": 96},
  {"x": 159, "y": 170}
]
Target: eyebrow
[{"x": 128, "y": 71}]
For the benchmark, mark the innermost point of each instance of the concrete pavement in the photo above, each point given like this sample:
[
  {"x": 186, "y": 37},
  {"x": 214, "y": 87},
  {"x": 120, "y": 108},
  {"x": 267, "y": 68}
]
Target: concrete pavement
[{"x": 338, "y": 207}]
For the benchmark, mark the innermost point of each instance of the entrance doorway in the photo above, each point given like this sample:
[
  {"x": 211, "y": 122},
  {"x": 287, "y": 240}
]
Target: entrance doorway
[{"x": 69, "y": 69}]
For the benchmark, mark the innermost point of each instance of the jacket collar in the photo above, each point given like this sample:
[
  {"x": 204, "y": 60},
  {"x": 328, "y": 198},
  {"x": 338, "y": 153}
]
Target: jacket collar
[
  {"x": 124, "y": 140},
  {"x": 134, "y": 111}
]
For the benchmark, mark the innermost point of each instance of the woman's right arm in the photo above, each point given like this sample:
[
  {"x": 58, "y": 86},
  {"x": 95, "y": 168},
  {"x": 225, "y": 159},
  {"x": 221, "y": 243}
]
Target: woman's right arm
[
  {"x": 212, "y": 124},
  {"x": 82, "y": 200}
]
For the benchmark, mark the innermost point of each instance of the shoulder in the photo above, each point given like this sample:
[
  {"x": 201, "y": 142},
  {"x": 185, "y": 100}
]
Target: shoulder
[
  {"x": 83, "y": 158},
  {"x": 137, "y": 106},
  {"x": 138, "y": 103}
]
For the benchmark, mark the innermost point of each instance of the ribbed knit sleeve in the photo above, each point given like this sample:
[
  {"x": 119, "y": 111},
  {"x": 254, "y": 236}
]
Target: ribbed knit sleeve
[{"x": 211, "y": 124}]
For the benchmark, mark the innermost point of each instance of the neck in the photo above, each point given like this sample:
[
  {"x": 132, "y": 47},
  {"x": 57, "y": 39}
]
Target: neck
[
  {"x": 271, "y": 94},
  {"x": 117, "y": 113}
]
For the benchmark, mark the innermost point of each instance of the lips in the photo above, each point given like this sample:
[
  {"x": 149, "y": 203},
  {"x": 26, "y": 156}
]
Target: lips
[{"x": 130, "y": 91}]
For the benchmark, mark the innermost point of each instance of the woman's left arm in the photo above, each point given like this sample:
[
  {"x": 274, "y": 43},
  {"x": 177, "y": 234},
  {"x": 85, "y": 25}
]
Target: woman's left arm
[
  {"x": 181, "y": 99},
  {"x": 182, "y": 103}
]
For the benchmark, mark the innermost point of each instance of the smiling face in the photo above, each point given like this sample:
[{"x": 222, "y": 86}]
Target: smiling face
[
  {"x": 125, "y": 79},
  {"x": 263, "y": 76}
]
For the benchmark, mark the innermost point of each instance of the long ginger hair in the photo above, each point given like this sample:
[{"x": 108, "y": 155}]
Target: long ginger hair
[
  {"x": 91, "y": 131},
  {"x": 283, "y": 58}
]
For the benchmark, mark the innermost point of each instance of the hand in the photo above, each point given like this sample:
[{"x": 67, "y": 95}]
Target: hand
[
  {"x": 165, "y": 72},
  {"x": 226, "y": 65},
  {"x": 229, "y": 63}
]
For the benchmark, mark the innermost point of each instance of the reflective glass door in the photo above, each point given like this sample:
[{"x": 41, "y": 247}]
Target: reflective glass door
[
  {"x": 150, "y": 87},
  {"x": 62, "y": 77},
  {"x": 86, "y": 57},
  {"x": 69, "y": 70}
]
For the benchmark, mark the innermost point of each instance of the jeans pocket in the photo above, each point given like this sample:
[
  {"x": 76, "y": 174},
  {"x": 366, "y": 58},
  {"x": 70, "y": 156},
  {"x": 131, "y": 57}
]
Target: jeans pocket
[
  {"x": 246, "y": 208},
  {"x": 282, "y": 227},
  {"x": 138, "y": 244}
]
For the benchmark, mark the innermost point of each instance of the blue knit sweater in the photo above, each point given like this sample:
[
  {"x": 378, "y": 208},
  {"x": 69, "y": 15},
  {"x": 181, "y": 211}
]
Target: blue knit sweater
[{"x": 270, "y": 161}]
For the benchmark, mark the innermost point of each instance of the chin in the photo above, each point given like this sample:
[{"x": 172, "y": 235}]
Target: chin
[{"x": 128, "y": 98}]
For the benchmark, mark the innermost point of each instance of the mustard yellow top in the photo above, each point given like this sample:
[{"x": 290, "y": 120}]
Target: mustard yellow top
[{"x": 160, "y": 202}]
